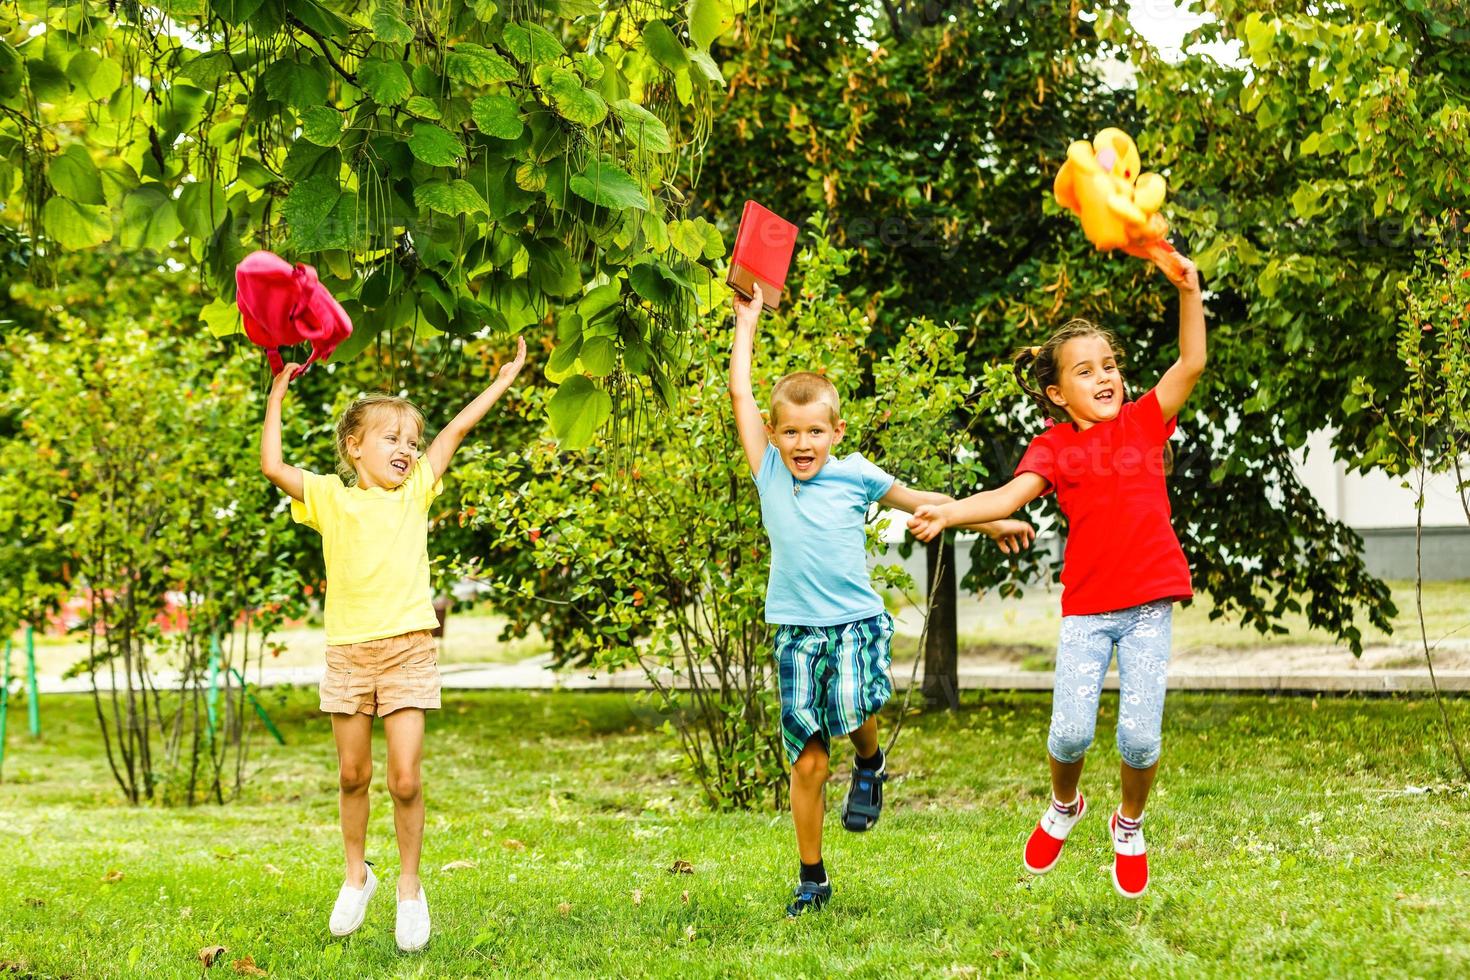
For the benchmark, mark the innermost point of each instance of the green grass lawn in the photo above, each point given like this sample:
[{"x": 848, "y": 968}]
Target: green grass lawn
[{"x": 1288, "y": 837}]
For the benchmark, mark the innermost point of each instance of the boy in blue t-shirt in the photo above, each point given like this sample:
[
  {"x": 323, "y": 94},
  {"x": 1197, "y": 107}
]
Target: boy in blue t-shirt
[{"x": 832, "y": 632}]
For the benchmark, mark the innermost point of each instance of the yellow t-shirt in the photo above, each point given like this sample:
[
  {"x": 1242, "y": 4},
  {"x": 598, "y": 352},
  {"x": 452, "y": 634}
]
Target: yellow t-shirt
[{"x": 376, "y": 545}]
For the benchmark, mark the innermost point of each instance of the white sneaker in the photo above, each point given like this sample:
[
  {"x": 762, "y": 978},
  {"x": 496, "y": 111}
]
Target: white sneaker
[
  {"x": 412, "y": 931},
  {"x": 352, "y": 905}
]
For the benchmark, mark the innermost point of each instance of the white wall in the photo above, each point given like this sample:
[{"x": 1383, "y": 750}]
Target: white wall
[{"x": 1373, "y": 500}]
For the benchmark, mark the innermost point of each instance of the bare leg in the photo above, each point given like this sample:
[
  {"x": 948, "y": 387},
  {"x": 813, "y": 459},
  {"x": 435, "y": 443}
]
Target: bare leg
[
  {"x": 1136, "y": 784},
  {"x": 808, "y": 780},
  {"x": 354, "y": 737},
  {"x": 865, "y": 738},
  {"x": 405, "y": 731},
  {"x": 1064, "y": 778}
]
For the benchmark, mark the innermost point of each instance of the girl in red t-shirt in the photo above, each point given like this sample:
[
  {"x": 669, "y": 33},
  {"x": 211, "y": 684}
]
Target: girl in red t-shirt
[{"x": 1123, "y": 567}]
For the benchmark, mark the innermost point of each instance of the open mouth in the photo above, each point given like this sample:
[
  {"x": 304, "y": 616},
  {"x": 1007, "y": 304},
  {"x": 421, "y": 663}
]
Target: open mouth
[
  {"x": 400, "y": 465},
  {"x": 804, "y": 464},
  {"x": 1105, "y": 396}
]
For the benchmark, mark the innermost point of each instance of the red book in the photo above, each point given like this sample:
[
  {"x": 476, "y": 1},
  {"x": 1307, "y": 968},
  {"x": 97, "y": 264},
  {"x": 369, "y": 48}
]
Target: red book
[{"x": 763, "y": 248}]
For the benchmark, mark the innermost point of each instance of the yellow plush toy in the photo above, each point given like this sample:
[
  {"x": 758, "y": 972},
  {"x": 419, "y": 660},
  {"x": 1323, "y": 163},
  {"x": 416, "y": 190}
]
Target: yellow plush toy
[{"x": 1119, "y": 206}]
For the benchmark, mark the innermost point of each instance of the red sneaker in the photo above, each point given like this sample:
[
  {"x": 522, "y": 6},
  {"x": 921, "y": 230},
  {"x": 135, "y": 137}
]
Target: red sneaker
[
  {"x": 1130, "y": 857},
  {"x": 1044, "y": 847}
]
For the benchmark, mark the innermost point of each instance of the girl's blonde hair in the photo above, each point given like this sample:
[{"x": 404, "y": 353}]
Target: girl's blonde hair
[{"x": 360, "y": 414}]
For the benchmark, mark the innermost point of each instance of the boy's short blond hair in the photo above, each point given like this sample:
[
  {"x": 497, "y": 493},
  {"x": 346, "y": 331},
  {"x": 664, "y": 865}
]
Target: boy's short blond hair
[{"x": 804, "y": 388}]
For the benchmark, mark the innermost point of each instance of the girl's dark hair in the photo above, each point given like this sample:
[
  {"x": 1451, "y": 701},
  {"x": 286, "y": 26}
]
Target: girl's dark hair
[{"x": 1037, "y": 368}]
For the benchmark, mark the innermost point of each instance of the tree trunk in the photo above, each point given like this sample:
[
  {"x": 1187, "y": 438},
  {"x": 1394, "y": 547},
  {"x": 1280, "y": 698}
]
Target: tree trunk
[{"x": 941, "y": 645}]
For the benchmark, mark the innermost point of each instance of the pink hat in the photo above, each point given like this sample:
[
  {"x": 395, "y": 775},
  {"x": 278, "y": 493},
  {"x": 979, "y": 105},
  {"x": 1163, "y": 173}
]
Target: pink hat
[{"x": 283, "y": 304}]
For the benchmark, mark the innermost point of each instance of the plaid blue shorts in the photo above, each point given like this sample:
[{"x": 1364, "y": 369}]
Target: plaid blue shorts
[{"x": 833, "y": 678}]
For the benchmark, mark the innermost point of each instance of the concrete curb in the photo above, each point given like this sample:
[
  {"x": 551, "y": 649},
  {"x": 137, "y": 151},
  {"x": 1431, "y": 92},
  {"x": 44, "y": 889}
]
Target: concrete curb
[{"x": 536, "y": 675}]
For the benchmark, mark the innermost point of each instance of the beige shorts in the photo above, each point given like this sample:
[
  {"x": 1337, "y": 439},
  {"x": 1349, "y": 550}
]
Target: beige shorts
[{"x": 377, "y": 677}]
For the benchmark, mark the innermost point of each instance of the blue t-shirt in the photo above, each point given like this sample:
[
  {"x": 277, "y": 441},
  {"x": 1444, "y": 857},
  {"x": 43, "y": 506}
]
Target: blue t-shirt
[{"x": 819, "y": 569}]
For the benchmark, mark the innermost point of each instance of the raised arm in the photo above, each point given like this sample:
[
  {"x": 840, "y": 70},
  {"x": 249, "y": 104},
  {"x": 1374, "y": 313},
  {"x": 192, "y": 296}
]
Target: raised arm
[
  {"x": 1176, "y": 384},
  {"x": 282, "y": 474},
  {"x": 442, "y": 449},
  {"x": 748, "y": 422},
  {"x": 978, "y": 510}
]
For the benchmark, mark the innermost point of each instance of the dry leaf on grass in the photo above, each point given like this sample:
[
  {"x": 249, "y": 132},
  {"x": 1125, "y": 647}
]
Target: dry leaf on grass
[
  {"x": 681, "y": 868},
  {"x": 684, "y": 897},
  {"x": 272, "y": 869},
  {"x": 637, "y": 896},
  {"x": 112, "y": 876},
  {"x": 246, "y": 965},
  {"x": 210, "y": 955},
  {"x": 511, "y": 844},
  {"x": 565, "y": 908},
  {"x": 459, "y": 865}
]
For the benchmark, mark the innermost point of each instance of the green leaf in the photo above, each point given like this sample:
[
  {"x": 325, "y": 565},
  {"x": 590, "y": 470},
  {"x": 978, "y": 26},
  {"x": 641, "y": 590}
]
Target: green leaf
[
  {"x": 94, "y": 76},
  {"x": 454, "y": 197},
  {"x": 423, "y": 107},
  {"x": 322, "y": 125},
  {"x": 388, "y": 26},
  {"x": 599, "y": 356},
  {"x": 609, "y": 185},
  {"x": 498, "y": 116},
  {"x": 707, "y": 67},
  {"x": 687, "y": 238},
  {"x": 565, "y": 356},
  {"x": 298, "y": 85},
  {"x": 530, "y": 43},
  {"x": 664, "y": 47},
  {"x": 553, "y": 270},
  {"x": 476, "y": 65},
  {"x": 306, "y": 159},
  {"x": 573, "y": 102},
  {"x": 599, "y": 300},
  {"x": 12, "y": 70},
  {"x": 434, "y": 145},
  {"x": 708, "y": 19},
  {"x": 310, "y": 211},
  {"x": 649, "y": 282},
  {"x": 385, "y": 81},
  {"x": 76, "y": 226},
  {"x": 577, "y": 410},
  {"x": 75, "y": 176},
  {"x": 221, "y": 317},
  {"x": 207, "y": 69},
  {"x": 149, "y": 218},
  {"x": 202, "y": 208},
  {"x": 641, "y": 127}
]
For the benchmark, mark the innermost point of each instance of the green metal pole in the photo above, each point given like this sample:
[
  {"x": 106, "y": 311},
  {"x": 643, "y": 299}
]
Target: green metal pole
[
  {"x": 210, "y": 717},
  {"x": 269, "y": 725},
  {"x": 4, "y": 703},
  {"x": 34, "y": 699}
]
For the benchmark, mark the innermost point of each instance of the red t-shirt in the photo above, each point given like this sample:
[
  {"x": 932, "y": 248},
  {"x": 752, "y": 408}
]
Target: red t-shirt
[{"x": 1109, "y": 479}]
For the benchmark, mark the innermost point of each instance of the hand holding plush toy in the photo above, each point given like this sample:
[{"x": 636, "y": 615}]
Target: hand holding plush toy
[{"x": 1119, "y": 206}]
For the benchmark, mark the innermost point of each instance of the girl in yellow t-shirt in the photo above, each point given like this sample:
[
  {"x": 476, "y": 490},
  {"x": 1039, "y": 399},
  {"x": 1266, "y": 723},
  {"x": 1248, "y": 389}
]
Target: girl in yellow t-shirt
[{"x": 381, "y": 656}]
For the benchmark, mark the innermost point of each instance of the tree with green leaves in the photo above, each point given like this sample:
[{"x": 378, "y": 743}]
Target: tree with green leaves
[
  {"x": 452, "y": 170},
  {"x": 932, "y": 133}
]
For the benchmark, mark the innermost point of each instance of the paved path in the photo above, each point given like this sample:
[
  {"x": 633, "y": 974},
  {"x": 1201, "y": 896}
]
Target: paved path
[{"x": 536, "y": 674}]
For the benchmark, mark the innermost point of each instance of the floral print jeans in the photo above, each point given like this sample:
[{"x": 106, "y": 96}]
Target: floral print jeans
[{"x": 1143, "y": 637}]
